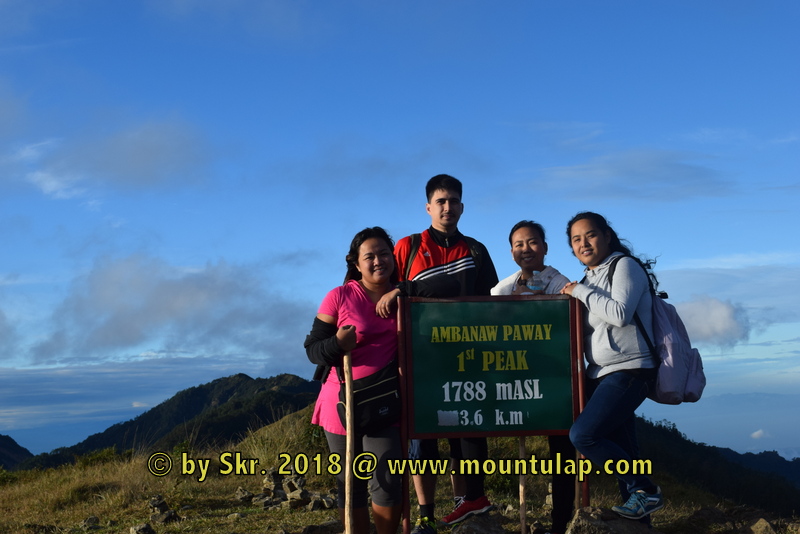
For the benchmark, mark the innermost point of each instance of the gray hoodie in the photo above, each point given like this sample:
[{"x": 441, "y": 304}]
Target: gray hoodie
[{"x": 612, "y": 341}]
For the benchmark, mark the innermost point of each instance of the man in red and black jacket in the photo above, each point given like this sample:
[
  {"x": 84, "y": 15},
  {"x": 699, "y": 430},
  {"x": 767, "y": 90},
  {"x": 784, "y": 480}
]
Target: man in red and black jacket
[{"x": 443, "y": 250}]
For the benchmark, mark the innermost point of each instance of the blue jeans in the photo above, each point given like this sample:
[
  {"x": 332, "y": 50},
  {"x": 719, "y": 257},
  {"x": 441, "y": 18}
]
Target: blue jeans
[{"x": 606, "y": 428}]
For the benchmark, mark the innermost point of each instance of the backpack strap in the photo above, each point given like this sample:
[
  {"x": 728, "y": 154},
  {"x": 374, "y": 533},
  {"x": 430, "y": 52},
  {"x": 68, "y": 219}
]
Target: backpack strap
[
  {"x": 416, "y": 239},
  {"x": 613, "y": 267},
  {"x": 475, "y": 250},
  {"x": 340, "y": 373},
  {"x": 644, "y": 334}
]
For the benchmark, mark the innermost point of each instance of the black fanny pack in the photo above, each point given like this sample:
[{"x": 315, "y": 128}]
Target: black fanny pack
[{"x": 376, "y": 400}]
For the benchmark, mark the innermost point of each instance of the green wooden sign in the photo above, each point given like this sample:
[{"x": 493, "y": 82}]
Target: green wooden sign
[{"x": 493, "y": 366}]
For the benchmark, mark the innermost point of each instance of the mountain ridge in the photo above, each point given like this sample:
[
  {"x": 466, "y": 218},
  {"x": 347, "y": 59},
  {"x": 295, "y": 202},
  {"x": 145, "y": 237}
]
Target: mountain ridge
[
  {"x": 214, "y": 413},
  {"x": 12, "y": 453}
]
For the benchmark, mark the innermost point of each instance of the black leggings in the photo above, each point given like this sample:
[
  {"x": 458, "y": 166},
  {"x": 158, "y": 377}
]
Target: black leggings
[{"x": 386, "y": 489}]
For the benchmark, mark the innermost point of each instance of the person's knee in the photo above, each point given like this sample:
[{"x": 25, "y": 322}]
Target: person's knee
[
  {"x": 580, "y": 439},
  {"x": 388, "y": 497},
  {"x": 386, "y": 489}
]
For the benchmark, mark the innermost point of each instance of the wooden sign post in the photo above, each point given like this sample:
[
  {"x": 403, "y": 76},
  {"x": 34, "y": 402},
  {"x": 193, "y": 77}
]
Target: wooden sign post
[{"x": 491, "y": 366}]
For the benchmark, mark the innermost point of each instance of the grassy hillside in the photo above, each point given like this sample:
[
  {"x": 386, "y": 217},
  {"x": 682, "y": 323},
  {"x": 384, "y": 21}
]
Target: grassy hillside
[{"x": 116, "y": 488}]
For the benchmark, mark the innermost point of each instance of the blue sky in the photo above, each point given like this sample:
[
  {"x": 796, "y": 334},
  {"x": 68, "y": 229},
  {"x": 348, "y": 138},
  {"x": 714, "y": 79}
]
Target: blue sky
[{"x": 180, "y": 180}]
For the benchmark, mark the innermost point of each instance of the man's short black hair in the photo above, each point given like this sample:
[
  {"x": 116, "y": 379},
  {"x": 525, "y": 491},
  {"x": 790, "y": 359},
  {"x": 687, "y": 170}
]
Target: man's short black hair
[{"x": 444, "y": 182}]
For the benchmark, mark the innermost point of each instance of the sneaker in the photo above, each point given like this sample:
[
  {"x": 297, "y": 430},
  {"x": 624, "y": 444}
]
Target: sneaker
[
  {"x": 465, "y": 509},
  {"x": 641, "y": 504},
  {"x": 424, "y": 526}
]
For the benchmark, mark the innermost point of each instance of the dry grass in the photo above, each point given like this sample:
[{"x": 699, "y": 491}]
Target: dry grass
[{"x": 117, "y": 489}]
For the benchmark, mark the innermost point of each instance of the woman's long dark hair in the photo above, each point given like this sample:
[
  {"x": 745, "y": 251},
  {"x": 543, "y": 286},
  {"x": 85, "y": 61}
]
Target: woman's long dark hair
[
  {"x": 616, "y": 244},
  {"x": 352, "y": 257}
]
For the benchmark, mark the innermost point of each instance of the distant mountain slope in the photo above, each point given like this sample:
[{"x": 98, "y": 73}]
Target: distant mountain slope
[
  {"x": 216, "y": 413},
  {"x": 11, "y": 453},
  {"x": 767, "y": 461},
  {"x": 716, "y": 470}
]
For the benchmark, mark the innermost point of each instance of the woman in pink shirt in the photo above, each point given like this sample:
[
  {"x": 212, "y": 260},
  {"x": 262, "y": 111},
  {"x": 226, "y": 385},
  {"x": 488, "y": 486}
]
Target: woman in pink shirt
[{"x": 347, "y": 322}]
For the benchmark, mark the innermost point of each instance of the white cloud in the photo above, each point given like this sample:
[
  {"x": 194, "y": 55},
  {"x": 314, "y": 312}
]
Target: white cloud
[
  {"x": 738, "y": 136},
  {"x": 758, "y": 434},
  {"x": 761, "y": 288},
  {"x": 18, "y": 16},
  {"x": 55, "y": 186},
  {"x": 643, "y": 174},
  {"x": 11, "y": 112},
  {"x": 718, "y": 135},
  {"x": 788, "y": 139},
  {"x": 151, "y": 153},
  {"x": 8, "y": 337},
  {"x": 739, "y": 261},
  {"x": 124, "y": 304},
  {"x": 30, "y": 154},
  {"x": 284, "y": 20},
  {"x": 573, "y": 135},
  {"x": 712, "y": 321}
]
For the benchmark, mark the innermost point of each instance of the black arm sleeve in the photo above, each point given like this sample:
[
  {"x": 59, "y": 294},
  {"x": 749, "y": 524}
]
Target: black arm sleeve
[
  {"x": 321, "y": 346},
  {"x": 439, "y": 286}
]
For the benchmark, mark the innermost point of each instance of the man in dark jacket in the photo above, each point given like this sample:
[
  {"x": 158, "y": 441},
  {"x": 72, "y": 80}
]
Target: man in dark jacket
[{"x": 442, "y": 249}]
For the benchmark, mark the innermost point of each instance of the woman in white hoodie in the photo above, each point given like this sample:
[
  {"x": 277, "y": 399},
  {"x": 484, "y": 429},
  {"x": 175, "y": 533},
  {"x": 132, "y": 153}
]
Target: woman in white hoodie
[
  {"x": 528, "y": 248},
  {"x": 621, "y": 370}
]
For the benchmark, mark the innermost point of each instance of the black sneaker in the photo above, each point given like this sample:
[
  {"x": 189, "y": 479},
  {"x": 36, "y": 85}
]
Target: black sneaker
[{"x": 424, "y": 526}]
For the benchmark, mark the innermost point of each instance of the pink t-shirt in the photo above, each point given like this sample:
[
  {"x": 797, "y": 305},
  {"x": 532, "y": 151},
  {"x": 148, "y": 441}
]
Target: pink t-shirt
[{"x": 376, "y": 346}]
